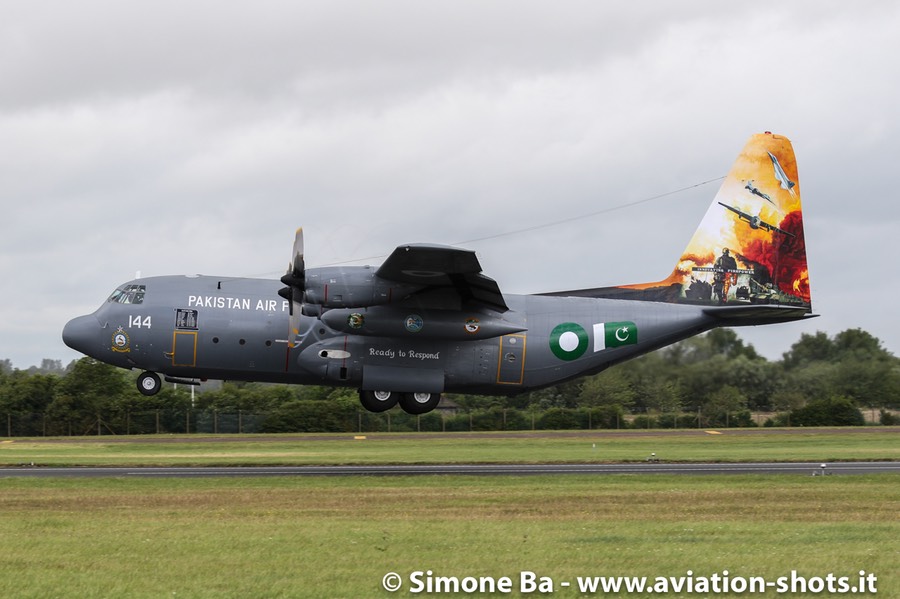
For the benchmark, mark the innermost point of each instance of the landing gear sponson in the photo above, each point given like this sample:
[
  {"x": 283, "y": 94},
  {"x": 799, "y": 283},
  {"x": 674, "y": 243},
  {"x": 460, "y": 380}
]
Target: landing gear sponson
[{"x": 149, "y": 383}]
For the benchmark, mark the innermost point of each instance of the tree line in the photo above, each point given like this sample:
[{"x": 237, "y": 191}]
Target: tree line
[{"x": 713, "y": 380}]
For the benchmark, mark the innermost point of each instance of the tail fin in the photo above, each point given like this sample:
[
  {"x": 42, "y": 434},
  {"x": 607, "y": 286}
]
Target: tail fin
[{"x": 749, "y": 248}]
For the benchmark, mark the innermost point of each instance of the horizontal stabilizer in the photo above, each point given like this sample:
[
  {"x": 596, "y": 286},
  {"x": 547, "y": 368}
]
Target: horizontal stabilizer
[{"x": 757, "y": 314}]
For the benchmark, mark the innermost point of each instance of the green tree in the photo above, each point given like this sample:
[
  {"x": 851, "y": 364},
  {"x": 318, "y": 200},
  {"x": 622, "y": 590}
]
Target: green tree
[
  {"x": 853, "y": 365},
  {"x": 89, "y": 390},
  {"x": 609, "y": 388},
  {"x": 723, "y": 404},
  {"x": 834, "y": 411},
  {"x": 810, "y": 348},
  {"x": 726, "y": 342},
  {"x": 859, "y": 343},
  {"x": 668, "y": 396}
]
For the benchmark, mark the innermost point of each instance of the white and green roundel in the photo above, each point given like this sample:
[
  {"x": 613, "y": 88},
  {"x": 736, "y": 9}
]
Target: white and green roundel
[{"x": 568, "y": 341}]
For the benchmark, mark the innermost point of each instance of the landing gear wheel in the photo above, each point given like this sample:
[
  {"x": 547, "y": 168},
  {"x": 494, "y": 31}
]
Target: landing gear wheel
[
  {"x": 378, "y": 401},
  {"x": 148, "y": 383},
  {"x": 419, "y": 403}
]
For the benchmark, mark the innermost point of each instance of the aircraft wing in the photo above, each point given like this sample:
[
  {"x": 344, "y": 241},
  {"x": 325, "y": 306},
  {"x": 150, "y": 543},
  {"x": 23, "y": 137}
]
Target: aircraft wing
[
  {"x": 445, "y": 273},
  {"x": 775, "y": 229},
  {"x": 736, "y": 211}
]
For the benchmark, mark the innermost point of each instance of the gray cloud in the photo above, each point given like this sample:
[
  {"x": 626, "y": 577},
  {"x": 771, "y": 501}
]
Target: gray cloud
[{"x": 179, "y": 138}]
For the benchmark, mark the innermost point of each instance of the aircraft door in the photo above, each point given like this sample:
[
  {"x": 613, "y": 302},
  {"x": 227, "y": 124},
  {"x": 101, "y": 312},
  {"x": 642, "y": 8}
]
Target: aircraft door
[
  {"x": 184, "y": 348},
  {"x": 511, "y": 363},
  {"x": 184, "y": 338}
]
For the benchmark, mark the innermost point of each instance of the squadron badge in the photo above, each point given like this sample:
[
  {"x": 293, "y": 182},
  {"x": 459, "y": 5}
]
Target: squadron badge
[
  {"x": 472, "y": 325},
  {"x": 414, "y": 323},
  {"x": 120, "y": 341}
]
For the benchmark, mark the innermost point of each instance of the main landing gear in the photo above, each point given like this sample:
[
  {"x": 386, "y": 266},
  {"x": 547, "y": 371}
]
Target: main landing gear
[{"x": 412, "y": 403}]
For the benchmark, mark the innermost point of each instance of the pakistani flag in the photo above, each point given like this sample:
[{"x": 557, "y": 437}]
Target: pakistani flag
[{"x": 614, "y": 334}]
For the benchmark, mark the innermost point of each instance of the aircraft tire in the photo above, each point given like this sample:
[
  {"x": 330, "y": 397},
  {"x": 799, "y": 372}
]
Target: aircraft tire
[
  {"x": 148, "y": 383},
  {"x": 419, "y": 403},
  {"x": 378, "y": 401}
]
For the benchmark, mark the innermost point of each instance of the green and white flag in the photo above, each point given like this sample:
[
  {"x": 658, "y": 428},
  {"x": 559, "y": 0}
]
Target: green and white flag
[{"x": 614, "y": 334}]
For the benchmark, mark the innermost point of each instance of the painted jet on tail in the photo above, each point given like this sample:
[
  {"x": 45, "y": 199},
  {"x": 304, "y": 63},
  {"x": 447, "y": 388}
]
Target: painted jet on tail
[{"x": 428, "y": 321}]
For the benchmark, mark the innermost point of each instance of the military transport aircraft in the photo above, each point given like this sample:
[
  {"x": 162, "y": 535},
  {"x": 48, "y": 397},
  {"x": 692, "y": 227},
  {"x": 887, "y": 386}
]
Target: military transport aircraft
[
  {"x": 755, "y": 222},
  {"x": 427, "y": 321}
]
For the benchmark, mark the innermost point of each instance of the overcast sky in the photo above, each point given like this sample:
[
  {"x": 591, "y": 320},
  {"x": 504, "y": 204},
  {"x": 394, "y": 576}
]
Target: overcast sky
[{"x": 194, "y": 137}]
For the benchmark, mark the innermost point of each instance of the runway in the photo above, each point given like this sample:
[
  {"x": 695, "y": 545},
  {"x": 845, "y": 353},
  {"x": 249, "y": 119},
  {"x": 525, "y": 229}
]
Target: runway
[{"x": 796, "y": 468}]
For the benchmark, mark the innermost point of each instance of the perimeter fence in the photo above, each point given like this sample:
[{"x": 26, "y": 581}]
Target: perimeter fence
[{"x": 321, "y": 418}]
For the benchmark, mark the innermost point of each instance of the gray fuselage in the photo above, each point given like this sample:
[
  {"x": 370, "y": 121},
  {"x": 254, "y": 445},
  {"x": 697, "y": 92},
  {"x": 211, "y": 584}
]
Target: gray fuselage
[{"x": 201, "y": 327}]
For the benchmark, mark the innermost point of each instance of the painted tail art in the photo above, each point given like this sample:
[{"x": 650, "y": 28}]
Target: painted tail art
[{"x": 749, "y": 248}]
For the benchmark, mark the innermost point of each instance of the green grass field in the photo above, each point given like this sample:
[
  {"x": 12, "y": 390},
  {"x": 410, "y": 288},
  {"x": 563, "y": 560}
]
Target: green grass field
[
  {"x": 193, "y": 450},
  {"x": 337, "y": 537}
]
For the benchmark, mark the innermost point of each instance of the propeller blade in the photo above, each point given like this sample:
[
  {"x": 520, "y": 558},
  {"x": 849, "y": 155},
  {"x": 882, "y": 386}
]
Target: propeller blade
[
  {"x": 295, "y": 279},
  {"x": 298, "y": 267}
]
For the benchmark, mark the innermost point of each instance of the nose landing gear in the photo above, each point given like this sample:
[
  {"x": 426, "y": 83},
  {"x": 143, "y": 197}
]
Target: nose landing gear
[{"x": 148, "y": 383}]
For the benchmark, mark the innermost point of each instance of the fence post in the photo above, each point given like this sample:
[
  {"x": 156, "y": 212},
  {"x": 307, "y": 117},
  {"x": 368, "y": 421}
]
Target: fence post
[
  {"x": 9, "y": 425},
  {"x": 157, "y": 422}
]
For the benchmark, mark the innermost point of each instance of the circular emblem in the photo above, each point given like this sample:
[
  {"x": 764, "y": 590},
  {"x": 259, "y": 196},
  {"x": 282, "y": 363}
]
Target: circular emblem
[
  {"x": 472, "y": 325},
  {"x": 414, "y": 323},
  {"x": 356, "y": 320},
  {"x": 120, "y": 340},
  {"x": 568, "y": 341}
]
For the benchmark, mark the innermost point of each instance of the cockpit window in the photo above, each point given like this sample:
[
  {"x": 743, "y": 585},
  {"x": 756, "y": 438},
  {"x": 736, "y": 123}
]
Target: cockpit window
[{"x": 129, "y": 294}]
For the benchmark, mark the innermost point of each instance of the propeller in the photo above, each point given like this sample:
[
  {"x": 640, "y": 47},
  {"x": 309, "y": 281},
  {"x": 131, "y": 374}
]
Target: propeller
[{"x": 295, "y": 279}]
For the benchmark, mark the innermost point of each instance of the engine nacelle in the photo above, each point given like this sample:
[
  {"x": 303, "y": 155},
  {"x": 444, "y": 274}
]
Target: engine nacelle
[
  {"x": 395, "y": 322},
  {"x": 350, "y": 287}
]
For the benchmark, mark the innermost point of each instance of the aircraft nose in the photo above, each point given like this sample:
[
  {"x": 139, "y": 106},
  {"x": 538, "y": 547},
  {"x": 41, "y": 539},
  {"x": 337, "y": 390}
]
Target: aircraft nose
[{"x": 81, "y": 334}]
